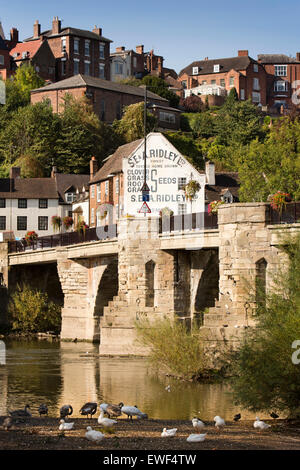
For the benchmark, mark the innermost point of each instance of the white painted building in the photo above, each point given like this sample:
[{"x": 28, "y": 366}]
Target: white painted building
[{"x": 210, "y": 89}]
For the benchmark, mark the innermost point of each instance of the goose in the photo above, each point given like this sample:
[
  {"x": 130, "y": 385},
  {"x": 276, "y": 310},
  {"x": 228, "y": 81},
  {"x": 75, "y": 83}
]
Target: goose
[
  {"x": 43, "y": 410},
  {"x": 92, "y": 435},
  {"x": 237, "y": 417},
  {"x": 219, "y": 422},
  {"x": 106, "y": 422},
  {"x": 131, "y": 411},
  {"x": 88, "y": 409},
  {"x": 21, "y": 413},
  {"x": 169, "y": 432},
  {"x": 142, "y": 416},
  {"x": 114, "y": 410},
  {"x": 65, "y": 411},
  {"x": 103, "y": 406},
  {"x": 196, "y": 437},
  {"x": 65, "y": 426},
  {"x": 258, "y": 424},
  {"x": 198, "y": 424},
  {"x": 7, "y": 423}
]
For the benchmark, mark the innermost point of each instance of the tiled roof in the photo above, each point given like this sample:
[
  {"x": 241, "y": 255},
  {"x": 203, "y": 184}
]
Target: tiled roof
[
  {"x": 73, "y": 32},
  {"x": 31, "y": 47},
  {"x": 276, "y": 59},
  {"x": 28, "y": 188},
  {"x": 206, "y": 67},
  {"x": 114, "y": 163},
  {"x": 78, "y": 81},
  {"x": 65, "y": 182},
  {"x": 224, "y": 181}
]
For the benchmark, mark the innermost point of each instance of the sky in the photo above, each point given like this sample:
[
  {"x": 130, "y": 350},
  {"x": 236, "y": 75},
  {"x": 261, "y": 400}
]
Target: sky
[{"x": 180, "y": 32}]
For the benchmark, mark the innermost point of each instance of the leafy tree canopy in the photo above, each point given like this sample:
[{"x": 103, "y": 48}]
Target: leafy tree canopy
[{"x": 131, "y": 126}]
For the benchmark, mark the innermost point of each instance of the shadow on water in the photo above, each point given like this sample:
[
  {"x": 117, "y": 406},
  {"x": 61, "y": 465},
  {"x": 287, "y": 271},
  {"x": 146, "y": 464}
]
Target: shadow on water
[{"x": 67, "y": 373}]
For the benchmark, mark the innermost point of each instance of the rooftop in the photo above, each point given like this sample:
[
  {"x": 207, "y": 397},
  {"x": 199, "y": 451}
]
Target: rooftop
[
  {"x": 276, "y": 59},
  {"x": 68, "y": 31},
  {"x": 206, "y": 67}
]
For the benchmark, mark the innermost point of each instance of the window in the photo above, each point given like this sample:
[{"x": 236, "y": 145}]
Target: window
[
  {"x": 43, "y": 203},
  {"x": 87, "y": 48},
  {"x": 22, "y": 203},
  {"x": 242, "y": 94},
  {"x": 76, "y": 46},
  {"x": 134, "y": 62},
  {"x": 195, "y": 70},
  {"x": 99, "y": 192},
  {"x": 231, "y": 81},
  {"x": 76, "y": 66},
  {"x": 255, "y": 67},
  {"x": 222, "y": 82},
  {"x": 216, "y": 68},
  {"x": 181, "y": 209},
  {"x": 1, "y": 59},
  {"x": 281, "y": 70},
  {"x": 21, "y": 223},
  {"x": 92, "y": 215},
  {"x": 255, "y": 97},
  {"x": 101, "y": 50},
  {"x": 102, "y": 109},
  {"x": 101, "y": 70},
  {"x": 2, "y": 222},
  {"x": 70, "y": 197},
  {"x": 213, "y": 82},
  {"x": 93, "y": 191},
  {"x": 86, "y": 67},
  {"x": 70, "y": 214},
  {"x": 184, "y": 84},
  {"x": 43, "y": 223},
  {"x": 166, "y": 117},
  {"x": 2, "y": 203},
  {"x": 280, "y": 85},
  {"x": 117, "y": 185},
  {"x": 256, "y": 84},
  {"x": 63, "y": 44},
  {"x": 181, "y": 183},
  {"x": 63, "y": 67},
  {"x": 204, "y": 82},
  {"x": 106, "y": 187},
  {"x": 118, "y": 68}
]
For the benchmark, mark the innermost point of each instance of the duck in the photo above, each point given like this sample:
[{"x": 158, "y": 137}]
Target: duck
[
  {"x": 65, "y": 426},
  {"x": 169, "y": 432},
  {"x": 103, "y": 406},
  {"x": 21, "y": 413},
  {"x": 237, "y": 417},
  {"x": 142, "y": 416},
  {"x": 131, "y": 411},
  {"x": 258, "y": 424},
  {"x": 219, "y": 422},
  {"x": 43, "y": 410},
  {"x": 106, "y": 422},
  {"x": 198, "y": 424},
  {"x": 89, "y": 408},
  {"x": 114, "y": 410},
  {"x": 168, "y": 388},
  {"x": 7, "y": 423},
  {"x": 92, "y": 435},
  {"x": 196, "y": 437},
  {"x": 65, "y": 411}
]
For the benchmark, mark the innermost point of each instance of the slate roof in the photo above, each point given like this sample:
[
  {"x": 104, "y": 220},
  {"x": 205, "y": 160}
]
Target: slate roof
[
  {"x": 69, "y": 31},
  {"x": 78, "y": 81},
  {"x": 276, "y": 59},
  {"x": 206, "y": 67},
  {"x": 28, "y": 188},
  {"x": 114, "y": 163},
  {"x": 67, "y": 181},
  {"x": 224, "y": 180}
]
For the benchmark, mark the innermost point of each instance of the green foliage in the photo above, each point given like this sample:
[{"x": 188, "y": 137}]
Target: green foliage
[
  {"x": 265, "y": 378},
  {"x": 131, "y": 126},
  {"x": 31, "y": 311},
  {"x": 18, "y": 88},
  {"x": 187, "y": 146},
  {"x": 155, "y": 85},
  {"x": 173, "y": 348}
]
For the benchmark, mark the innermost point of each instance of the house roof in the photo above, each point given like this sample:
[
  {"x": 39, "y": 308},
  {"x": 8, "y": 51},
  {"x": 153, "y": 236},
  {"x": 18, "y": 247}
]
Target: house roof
[
  {"x": 224, "y": 181},
  {"x": 69, "y": 31},
  {"x": 66, "y": 182},
  {"x": 276, "y": 59},
  {"x": 78, "y": 81},
  {"x": 28, "y": 188},
  {"x": 31, "y": 47},
  {"x": 3, "y": 46},
  {"x": 206, "y": 67},
  {"x": 114, "y": 163}
]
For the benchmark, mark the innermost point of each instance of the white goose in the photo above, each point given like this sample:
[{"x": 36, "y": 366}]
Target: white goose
[
  {"x": 103, "y": 406},
  {"x": 196, "y": 437},
  {"x": 219, "y": 422},
  {"x": 131, "y": 411},
  {"x": 258, "y": 424},
  {"x": 65, "y": 426},
  {"x": 198, "y": 424},
  {"x": 106, "y": 422},
  {"x": 169, "y": 432},
  {"x": 92, "y": 435}
]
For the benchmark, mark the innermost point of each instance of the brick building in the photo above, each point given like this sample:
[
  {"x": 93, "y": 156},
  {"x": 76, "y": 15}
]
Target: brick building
[
  {"x": 282, "y": 71},
  {"x": 36, "y": 53},
  {"x": 75, "y": 50},
  {"x": 4, "y": 60},
  {"x": 245, "y": 74}
]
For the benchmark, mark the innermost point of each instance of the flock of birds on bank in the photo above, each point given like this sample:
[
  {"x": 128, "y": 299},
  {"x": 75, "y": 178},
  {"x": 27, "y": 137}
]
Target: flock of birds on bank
[{"x": 114, "y": 411}]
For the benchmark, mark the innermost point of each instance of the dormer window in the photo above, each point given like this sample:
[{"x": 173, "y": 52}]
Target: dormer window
[
  {"x": 70, "y": 197},
  {"x": 216, "y": 68},
  {"x": 195, "y": 70}
]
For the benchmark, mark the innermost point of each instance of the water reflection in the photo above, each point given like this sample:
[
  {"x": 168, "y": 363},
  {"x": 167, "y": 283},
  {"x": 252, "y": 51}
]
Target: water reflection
[{"x": 68, "y": 373}]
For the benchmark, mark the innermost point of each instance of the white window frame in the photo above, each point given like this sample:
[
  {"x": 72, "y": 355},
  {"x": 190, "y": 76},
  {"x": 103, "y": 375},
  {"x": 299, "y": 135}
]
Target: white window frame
[
  {"x": 63, "y": 66},
  {"x": 76, "y": 49},
  {"x": 231, "y": 81},
  {"x": 182, "y": 183},
  {"x": 92, "y": 215},
  {"x": 92, "y": 190},
  {"x": 87, "y": 48},
  {"x": 255, "y": 68},
  {"x": 99, "y": 192},
  {"x": 119, "y": 66},
  {"x": 281, "y": 70},
  {"x": 216, "y": 68},
  {"x": 70, "y": 198},
  {"x": 242, "y": 94},
  {"x": 195, "y": 70},
  {"x": 1, "y": 59},
  {"x": 167, "y": 117},
  {"x": 255, "y": 97},
  {"x": 102, "y": 49},
  {"x": 102, "y": 68},
  {"x": 106, "y": 188},
  {"x": 278, "y": 89},
  {"x": 182, "y": 208},
  {"x": 87, "y": 63},
  {"x": 256, "y": 85},
  {"x": 63, "y": 44},
  {"x": 77, "y": 61}
]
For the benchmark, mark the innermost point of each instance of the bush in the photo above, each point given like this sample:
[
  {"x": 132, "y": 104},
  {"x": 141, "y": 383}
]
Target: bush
[
  {"x": 31, "y": 311},
  {"x": 265, "y": 378},
  {"x": 173, "y": 349}
]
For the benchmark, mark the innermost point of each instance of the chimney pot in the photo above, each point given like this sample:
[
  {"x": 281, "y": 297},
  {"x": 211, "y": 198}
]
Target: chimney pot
[
  {"x": 36, "y": 29},
  {"x": 243, "y": 53},
  {"x": 14, "y": 35},
  {"x": 93, "y": 166},
  {"x": 139, "y": 49},
  {"x": 56, "y": 25},
  {"x": 15, "y": 172},
  {"x": 120, "y": 49},
  {"x": 298, "y": 56},
  {"x": 97, "y": 30}
]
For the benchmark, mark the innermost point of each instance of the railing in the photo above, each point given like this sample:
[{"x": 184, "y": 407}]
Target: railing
[
  {"x": 199, "y": 220},
  {"x": 64, "y": 239},
  {"x": 290, "y": 214}
]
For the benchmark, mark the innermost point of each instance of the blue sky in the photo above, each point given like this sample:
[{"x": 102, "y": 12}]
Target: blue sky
[{"x": 180, "y": 31}]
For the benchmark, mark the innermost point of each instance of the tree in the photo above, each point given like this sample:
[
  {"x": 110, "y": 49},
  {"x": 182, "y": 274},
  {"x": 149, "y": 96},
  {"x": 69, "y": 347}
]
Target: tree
[
  {"x": 131, "y": 126},
  {"x": 192, "y": 104},
  {"x": 155, "y": 85},
  {"x": 265, "y": 375}
]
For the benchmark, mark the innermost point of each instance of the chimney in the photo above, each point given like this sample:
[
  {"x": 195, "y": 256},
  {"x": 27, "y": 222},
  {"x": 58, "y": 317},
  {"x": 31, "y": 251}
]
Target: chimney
[
  {"x": 15, "y": 172},
  {"x": 97, "y": 30},
  {"x": 14, "y": 35},
  {"x": 210, "y": 173},
  {"x": 93, "y": 167},
  {"x": 243, "y": 53},
  {"x": 139, "y": 49},
  {"x": 53, "y": 171},
  {"x": 206, "y": 58},
  {"x": 36, "y": 29},
  {"x": 298, "y": 56},
  {"x": 159, "y": 66},
  {"x": 56, "y": 25},
  {"x": 120, "y": 49}
]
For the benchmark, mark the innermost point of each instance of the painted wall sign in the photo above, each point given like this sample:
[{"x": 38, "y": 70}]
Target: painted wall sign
[{"x": 167, "y": 173}]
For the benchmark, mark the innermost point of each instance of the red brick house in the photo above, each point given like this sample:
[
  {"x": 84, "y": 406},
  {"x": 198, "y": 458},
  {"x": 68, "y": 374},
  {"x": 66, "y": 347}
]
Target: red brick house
[
  {"x": 4, "y": 60},
  {"x": 75, "y": 50},
  {"x": 36, "y": 53},
  {"x": 242, "y": 72}
]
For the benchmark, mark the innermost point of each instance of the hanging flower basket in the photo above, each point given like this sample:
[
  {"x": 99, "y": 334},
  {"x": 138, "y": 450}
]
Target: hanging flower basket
[
  {"x": 279, "y": 200},
  {"x": 214, "y": 206},
  {"x": 191, "y": 189},
  {"x": 68, "y": 222},
  {"x": 31, "y": 237},
  {"x": 81, "y": 226},
  {"x": 166, "y": 212},
  {"x": 56, "y": 222}
]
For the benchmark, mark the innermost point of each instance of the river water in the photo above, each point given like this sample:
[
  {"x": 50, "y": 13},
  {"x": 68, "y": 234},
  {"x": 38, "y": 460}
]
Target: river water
[{"x": 57, "y": 373}]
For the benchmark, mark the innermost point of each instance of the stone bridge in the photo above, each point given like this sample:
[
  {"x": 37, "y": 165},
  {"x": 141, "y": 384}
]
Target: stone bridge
[{"x": 106, "y": 286}]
